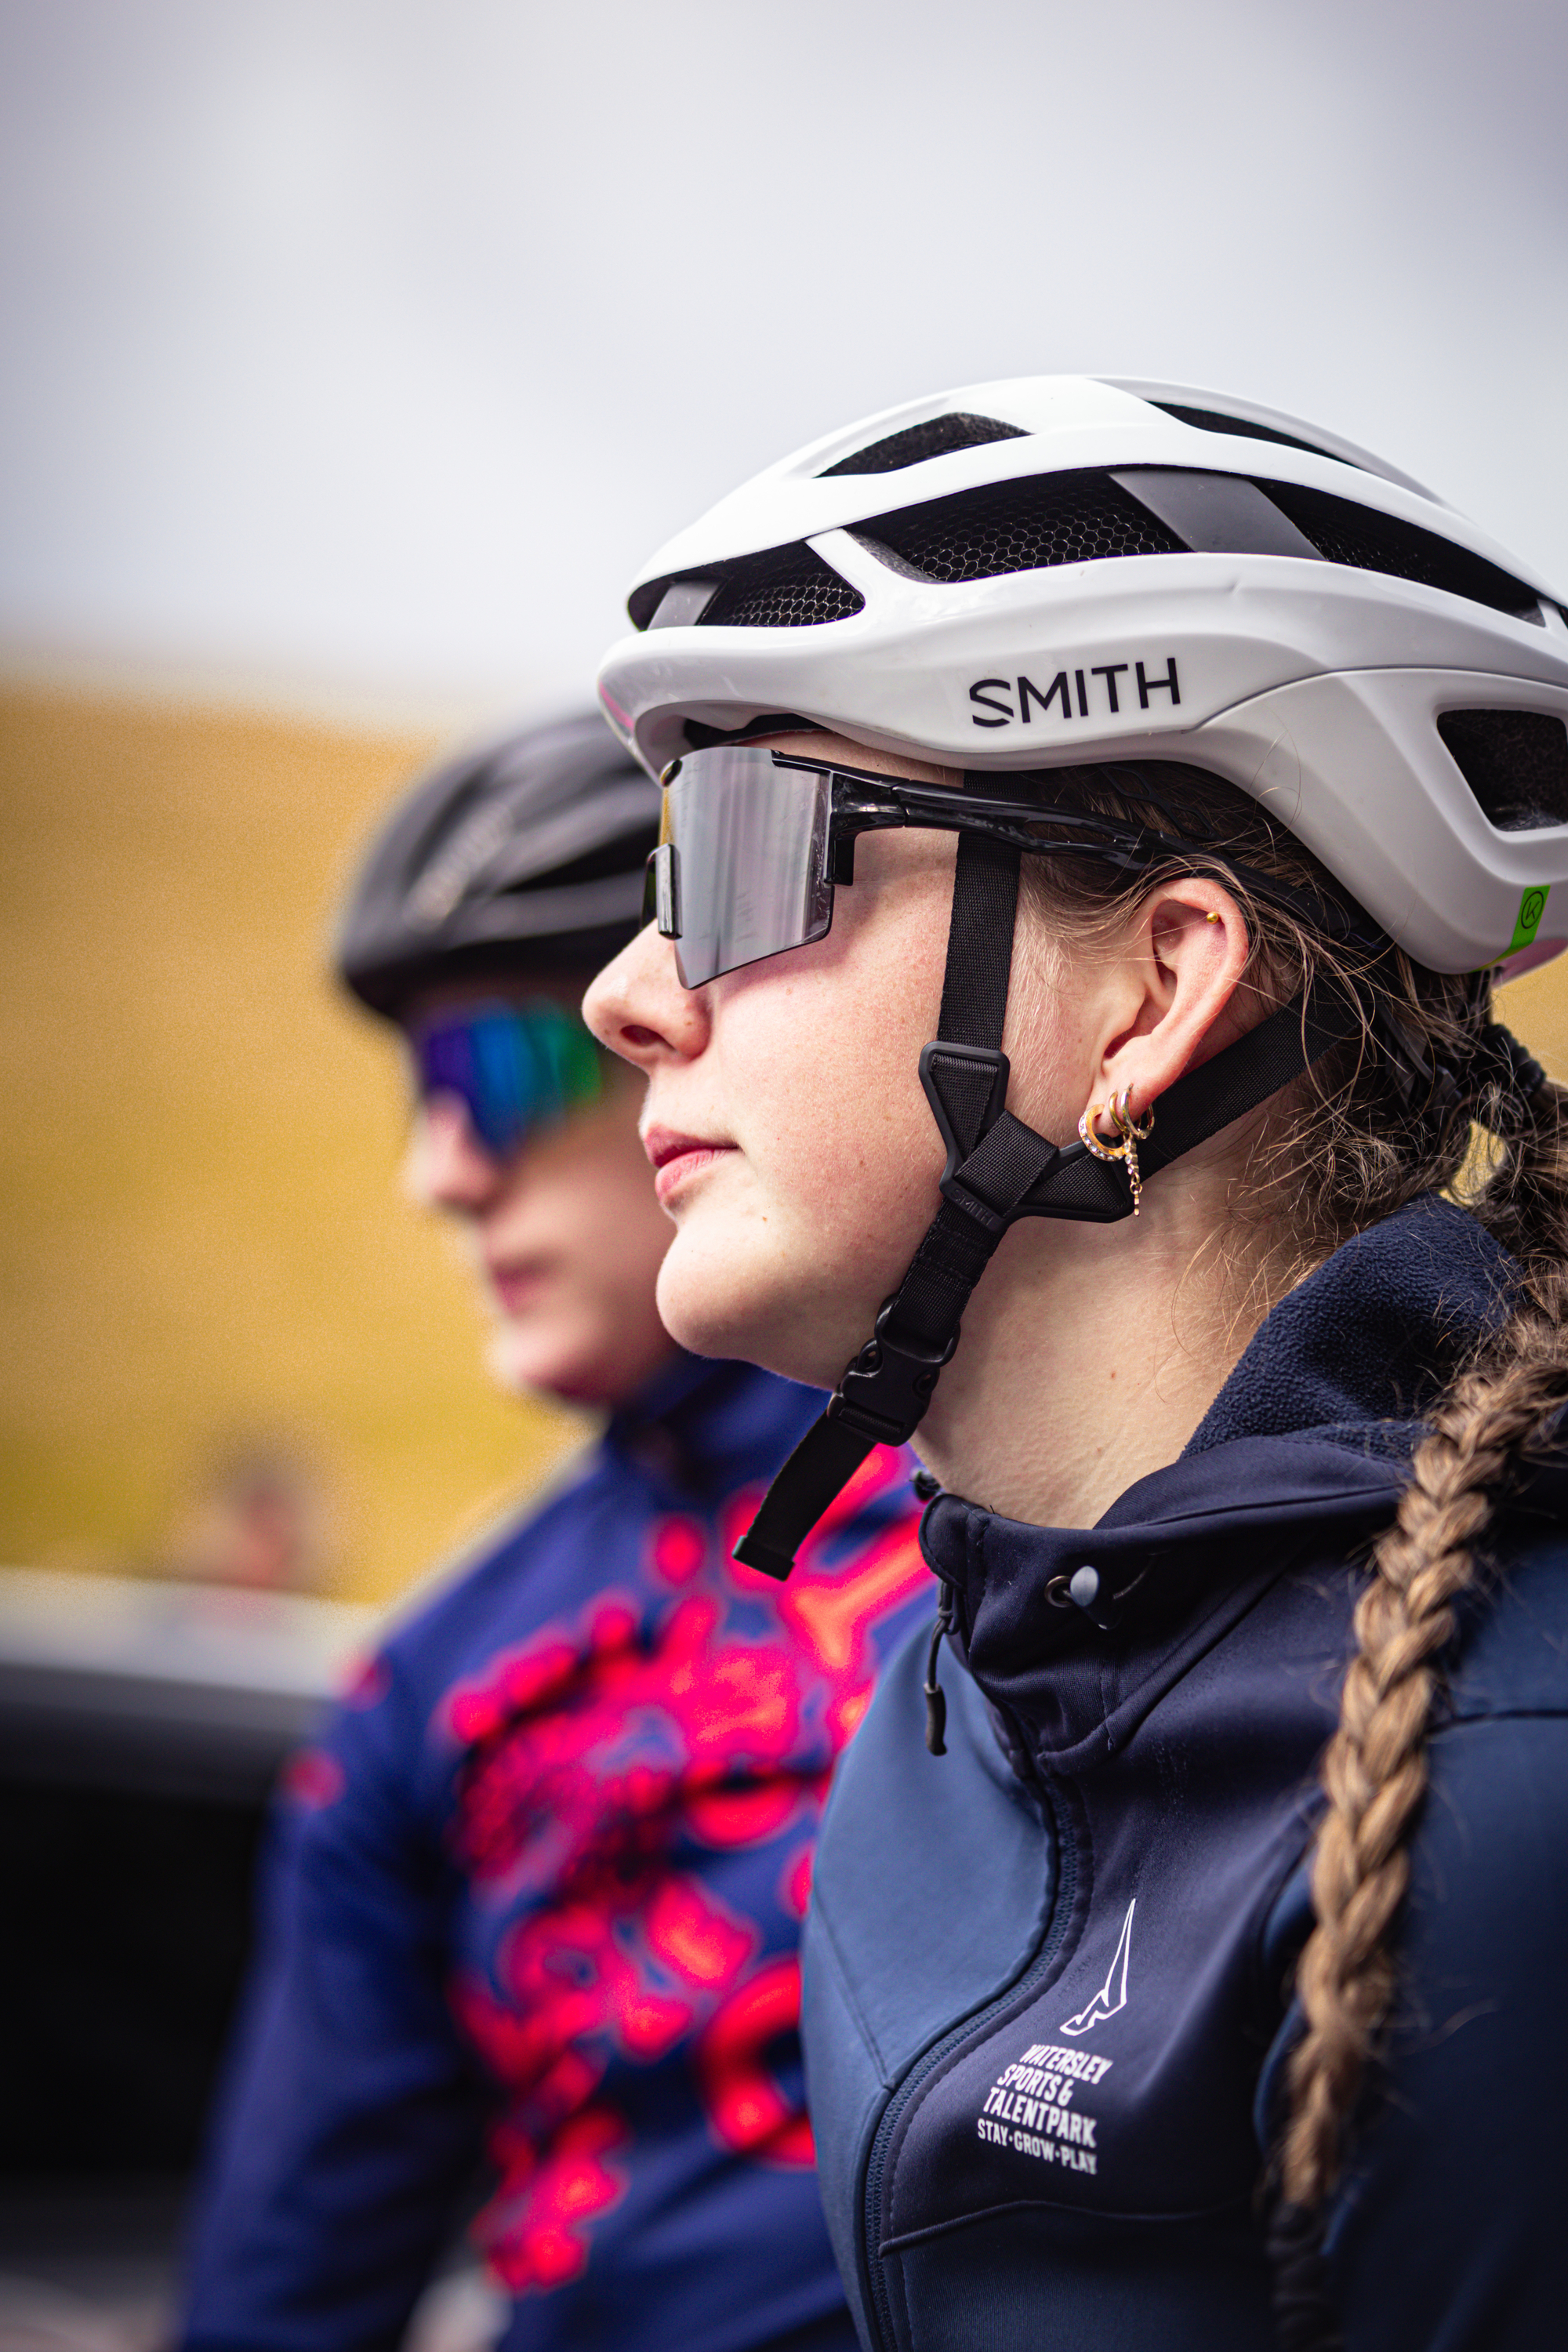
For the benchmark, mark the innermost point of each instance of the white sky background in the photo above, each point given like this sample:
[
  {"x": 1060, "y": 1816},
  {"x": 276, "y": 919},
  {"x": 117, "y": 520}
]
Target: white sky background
[{"x": 369, "y": 346}]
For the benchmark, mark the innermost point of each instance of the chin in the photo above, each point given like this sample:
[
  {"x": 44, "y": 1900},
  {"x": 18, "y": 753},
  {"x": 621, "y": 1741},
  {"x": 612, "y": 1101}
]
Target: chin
[
  {"x": 536, "y": 1363},
  {"x": 714, "y": 1304}
]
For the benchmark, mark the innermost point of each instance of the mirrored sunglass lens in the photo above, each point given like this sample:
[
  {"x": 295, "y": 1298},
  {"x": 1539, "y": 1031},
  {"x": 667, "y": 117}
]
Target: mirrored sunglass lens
[
  {"x": 513, "y": 1068},
  {"x": 750, "y": 858}
]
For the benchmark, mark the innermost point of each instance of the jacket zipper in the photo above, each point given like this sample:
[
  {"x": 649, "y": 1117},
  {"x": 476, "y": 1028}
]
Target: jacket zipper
[{"x": 1038, "y": 1969}]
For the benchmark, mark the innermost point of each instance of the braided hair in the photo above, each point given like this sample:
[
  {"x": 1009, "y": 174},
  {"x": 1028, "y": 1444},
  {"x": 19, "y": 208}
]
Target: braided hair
[
  {"x": 1375, "y": 1770},
  {"x": 1390, "y": 1115}
]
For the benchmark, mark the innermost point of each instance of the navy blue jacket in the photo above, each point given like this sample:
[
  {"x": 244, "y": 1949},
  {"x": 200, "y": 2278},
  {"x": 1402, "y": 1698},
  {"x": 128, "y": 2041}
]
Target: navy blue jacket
[
  {"x": 1047, "y": 1974},
  {"x": 537, "y": 1892}
]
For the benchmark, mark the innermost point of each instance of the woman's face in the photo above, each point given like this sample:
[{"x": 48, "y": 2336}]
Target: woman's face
[
  {"x": 794, "y": 1148},
  {"x": 564, "y": 1234}
]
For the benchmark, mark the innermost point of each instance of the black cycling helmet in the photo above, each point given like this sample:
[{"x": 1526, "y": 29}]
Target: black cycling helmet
[{"x": 524, "y": 857}]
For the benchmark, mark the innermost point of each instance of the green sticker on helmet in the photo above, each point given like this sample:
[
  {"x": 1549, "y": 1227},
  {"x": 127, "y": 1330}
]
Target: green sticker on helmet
[{"x": 1531, "y": 906}]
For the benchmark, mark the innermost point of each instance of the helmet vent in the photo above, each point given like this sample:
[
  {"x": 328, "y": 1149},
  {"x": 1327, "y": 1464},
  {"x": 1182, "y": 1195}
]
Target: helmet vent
[
  {"x": 783, "y": 588},
  {"x": 937, "y": 438},
  {"x": 1515, "y": 762},
  {"x": 787, "y": 588},
  {"x": 1214, "y": 420},
  {"x": 1344, "y": 532},
  {"x": 1021, "y": 525}
]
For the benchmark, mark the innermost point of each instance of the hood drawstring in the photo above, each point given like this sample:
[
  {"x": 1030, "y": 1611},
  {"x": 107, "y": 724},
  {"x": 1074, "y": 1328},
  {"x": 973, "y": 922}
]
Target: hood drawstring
[{"x": 936, "y": 1697}]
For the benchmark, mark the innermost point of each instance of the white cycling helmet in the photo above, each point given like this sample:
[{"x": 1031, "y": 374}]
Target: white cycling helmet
[{"x": 1062, "y": 569}]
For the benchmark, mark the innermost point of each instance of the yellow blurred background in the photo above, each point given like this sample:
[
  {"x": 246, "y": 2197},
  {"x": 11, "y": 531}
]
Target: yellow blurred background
[
  {"x": 209, "y": 1271},
  {"x": 210, "y": 1274}
]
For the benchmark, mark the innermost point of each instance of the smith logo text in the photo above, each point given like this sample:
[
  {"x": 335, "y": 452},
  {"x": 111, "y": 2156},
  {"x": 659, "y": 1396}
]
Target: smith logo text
[{"x": 1071, "y": 695}]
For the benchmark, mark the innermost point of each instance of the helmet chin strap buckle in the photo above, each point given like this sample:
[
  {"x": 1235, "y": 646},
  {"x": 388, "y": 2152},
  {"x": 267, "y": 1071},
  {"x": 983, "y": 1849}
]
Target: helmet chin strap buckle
[{"x": 885, "y": 1391}]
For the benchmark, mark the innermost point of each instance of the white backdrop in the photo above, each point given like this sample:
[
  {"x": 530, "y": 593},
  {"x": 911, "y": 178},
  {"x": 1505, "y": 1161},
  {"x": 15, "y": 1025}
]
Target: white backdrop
[{"x": 369, "y": 344}]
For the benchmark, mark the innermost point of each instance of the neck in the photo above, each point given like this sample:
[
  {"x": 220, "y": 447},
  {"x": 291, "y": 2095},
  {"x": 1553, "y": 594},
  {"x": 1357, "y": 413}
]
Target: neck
[{"x": 1091, "y": 1352}]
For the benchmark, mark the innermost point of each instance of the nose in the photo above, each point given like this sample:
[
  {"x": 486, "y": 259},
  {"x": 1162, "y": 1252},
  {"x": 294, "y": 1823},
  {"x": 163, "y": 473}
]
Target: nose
[
  {"x": 640, "y": 1010},
  {"x": 448, "y": 1166}
]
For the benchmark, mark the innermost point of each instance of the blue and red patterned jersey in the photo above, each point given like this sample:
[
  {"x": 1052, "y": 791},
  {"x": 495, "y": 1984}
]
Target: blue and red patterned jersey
[{"x": 534, "y": 1899}]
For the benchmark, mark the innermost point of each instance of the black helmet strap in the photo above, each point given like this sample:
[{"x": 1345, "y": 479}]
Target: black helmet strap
[{"x": 998, "y": 1170}]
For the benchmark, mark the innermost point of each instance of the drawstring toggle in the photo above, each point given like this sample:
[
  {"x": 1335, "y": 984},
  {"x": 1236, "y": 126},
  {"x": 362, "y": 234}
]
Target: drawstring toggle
[{"x": 936, "y": 1697}]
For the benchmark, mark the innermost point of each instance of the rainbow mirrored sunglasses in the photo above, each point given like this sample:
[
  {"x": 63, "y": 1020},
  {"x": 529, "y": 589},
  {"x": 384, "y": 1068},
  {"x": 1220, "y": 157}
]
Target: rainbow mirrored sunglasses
[{"x": 515, "y": 1067}]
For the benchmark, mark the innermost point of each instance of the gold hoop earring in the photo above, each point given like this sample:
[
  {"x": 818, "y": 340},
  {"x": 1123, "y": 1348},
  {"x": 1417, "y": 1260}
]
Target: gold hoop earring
[
  {"x": 1123, "y": 1120},
  {"x": 1131, "y": 1131},
  {"x": 1087, "y": 1135}
]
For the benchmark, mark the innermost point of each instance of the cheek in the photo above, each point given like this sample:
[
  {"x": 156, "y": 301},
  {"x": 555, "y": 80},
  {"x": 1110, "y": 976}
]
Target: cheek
[
  {"x": 611, "y": 1226},
  {"x": 820, "y": 1052},
  {"x": 830, "y": 1107},
  {"x": 815, "y": 1066},
  {"x": 585, "y": 1206}
]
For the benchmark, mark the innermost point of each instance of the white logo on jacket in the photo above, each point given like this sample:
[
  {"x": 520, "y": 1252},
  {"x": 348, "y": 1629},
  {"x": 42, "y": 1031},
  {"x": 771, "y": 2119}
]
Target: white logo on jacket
[{"x": 1112, "y": 1993}]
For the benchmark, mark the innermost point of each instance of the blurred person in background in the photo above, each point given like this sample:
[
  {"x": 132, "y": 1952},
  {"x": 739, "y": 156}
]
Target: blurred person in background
[{"x": 533, "y": 1897}]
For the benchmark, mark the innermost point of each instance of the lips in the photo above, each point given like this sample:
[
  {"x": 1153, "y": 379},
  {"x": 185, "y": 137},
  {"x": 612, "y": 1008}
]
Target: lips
[
  {"x": 677, "y": 1158},
  {"x": 515, "y": 1285}
]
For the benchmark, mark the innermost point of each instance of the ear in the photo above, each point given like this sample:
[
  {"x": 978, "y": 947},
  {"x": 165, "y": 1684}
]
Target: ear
[{"x": 1186, "y": 953}]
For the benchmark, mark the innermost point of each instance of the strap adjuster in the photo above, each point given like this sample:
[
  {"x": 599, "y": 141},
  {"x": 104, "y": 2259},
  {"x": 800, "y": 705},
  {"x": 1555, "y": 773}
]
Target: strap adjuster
[
  {"x": 887, "y": 1389},
  {"x": 967, "y": 1086}
]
